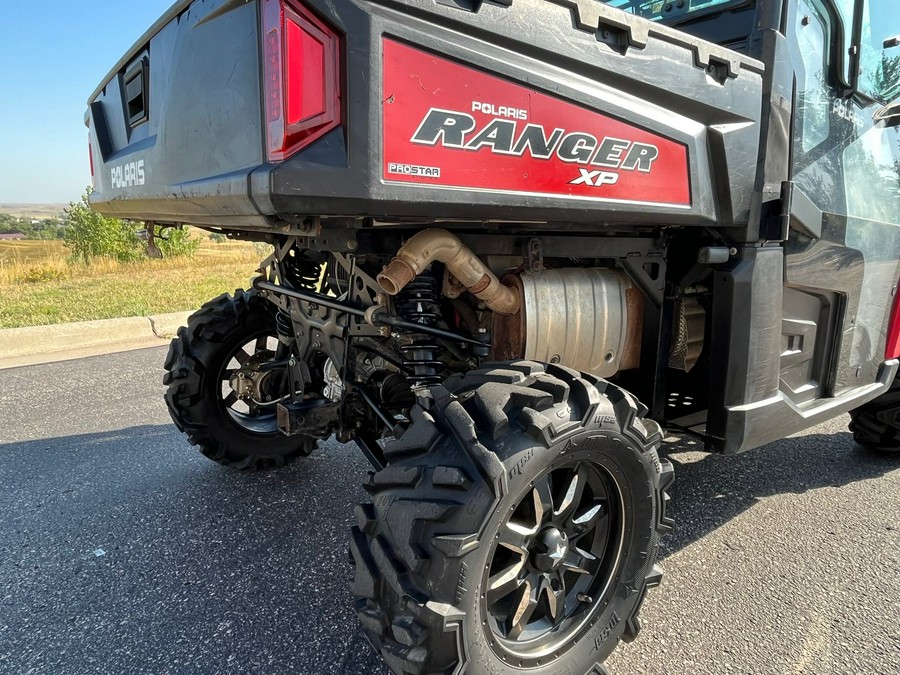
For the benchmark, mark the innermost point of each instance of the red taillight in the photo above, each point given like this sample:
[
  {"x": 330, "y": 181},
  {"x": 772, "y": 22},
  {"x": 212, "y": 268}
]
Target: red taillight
[
  {"x": 302, "y": 88},
  {"x": 91, "y": 158},
  {"x": 892, "y": 347}
]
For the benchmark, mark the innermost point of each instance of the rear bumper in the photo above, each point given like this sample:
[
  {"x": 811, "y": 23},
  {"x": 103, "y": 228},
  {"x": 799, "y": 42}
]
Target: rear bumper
[{"x": 219, "y": 201}]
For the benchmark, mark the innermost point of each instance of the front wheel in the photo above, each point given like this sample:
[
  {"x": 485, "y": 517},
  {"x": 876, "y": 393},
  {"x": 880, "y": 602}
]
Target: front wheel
[
  {"x": 220, "y": 393},
  {"x": 515, "y": 527}
]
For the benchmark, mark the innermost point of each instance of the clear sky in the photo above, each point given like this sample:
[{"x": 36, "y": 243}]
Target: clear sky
[{"x": 52, "y": 56}]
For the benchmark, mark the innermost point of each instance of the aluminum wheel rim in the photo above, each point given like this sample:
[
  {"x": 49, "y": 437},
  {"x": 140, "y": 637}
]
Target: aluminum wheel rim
[
  {"x": 255, "y": 417},
  {"x": 552, "y": 561}
]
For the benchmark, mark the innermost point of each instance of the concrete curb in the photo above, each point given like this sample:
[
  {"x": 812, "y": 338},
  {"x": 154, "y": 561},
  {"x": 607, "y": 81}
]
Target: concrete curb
[{"x": 18, "y": 343}]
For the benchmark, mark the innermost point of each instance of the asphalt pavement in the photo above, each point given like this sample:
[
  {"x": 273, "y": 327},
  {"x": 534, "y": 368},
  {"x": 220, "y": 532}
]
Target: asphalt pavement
[{"x": 122, "y": 550}]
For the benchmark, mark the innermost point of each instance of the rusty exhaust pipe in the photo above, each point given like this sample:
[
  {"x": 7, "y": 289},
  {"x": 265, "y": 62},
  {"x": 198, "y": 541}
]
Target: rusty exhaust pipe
[{"x": 439, "y": 245}]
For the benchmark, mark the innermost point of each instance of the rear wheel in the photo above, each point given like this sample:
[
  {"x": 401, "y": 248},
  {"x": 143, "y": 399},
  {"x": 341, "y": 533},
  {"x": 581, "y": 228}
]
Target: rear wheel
[
  {"x": 876, "y": 425},
  {"x": 220, "y": 393},
  {"x": 515, "y": 527}
]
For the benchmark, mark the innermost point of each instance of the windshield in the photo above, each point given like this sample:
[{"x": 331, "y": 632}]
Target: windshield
[{"x": 666, "y": 10}]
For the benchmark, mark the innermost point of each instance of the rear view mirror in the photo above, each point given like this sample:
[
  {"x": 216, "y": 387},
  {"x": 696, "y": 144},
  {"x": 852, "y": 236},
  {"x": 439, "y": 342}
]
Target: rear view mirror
[
  {"x": 892, "y": 42},
  {"x": 889, "y": 114}
]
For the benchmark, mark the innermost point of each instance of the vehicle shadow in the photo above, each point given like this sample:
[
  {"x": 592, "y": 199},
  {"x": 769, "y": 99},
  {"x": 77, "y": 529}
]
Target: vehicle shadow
[{"x": 710, "y": 490}]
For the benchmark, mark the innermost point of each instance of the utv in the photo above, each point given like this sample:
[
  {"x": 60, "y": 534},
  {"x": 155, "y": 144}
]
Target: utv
[{"x": 512, "y": 241}]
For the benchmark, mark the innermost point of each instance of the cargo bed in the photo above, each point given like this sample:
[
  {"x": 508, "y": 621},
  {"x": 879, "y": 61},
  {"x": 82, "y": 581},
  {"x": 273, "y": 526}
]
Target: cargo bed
[{"x": 551, "y": 111}]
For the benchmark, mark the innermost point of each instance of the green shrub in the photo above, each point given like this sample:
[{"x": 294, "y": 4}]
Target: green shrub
[
  {"x": 90, "y": 235},
  {"x": 174, "y": 243}
]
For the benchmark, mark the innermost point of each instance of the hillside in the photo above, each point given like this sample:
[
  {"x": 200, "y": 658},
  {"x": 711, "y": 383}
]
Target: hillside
[{"x": 33, "y": 211}]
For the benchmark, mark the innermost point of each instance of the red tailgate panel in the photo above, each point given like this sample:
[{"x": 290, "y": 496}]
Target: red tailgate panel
[{"x": 449, "y": 125}]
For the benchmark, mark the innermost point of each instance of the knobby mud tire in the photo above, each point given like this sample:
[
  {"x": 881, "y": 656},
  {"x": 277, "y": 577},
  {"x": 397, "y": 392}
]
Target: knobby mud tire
[
  {"x": 196, "y": 357},
  {"x": 422, "y": 547},
  {"x": 876, "y": 425}
]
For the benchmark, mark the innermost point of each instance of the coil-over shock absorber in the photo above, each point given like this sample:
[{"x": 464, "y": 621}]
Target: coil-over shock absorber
[
  {"x": 299, "y": 272},
  {"x": 418, "y": 302},
  {"x": 284, "y": 327}
]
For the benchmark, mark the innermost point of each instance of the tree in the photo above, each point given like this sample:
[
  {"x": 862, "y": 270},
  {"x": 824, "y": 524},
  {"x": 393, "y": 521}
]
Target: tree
[
  {"x": 48, "y": 228},
  {"x": 89, "y": 235},
  {"x": 887, "y": 78}
]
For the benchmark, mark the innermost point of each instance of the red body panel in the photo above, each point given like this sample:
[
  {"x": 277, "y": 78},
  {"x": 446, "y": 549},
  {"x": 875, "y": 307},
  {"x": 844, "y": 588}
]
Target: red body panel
[{"x": 446, "y": 124}]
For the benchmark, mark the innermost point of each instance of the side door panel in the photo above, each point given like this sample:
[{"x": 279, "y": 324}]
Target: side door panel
[{"x": 839, "y": 285}]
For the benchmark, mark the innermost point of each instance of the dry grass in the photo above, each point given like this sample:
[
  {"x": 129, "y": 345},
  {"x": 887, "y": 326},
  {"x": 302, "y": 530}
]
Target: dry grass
[
  {"x": 38, "y": 211},
  {"x": 38, "y": 286},
  {"x": 20, "y": 254}
]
